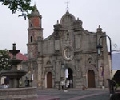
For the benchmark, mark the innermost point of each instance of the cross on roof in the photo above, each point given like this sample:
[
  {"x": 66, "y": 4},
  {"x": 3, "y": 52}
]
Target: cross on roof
[{"x": 67, "y": 8}]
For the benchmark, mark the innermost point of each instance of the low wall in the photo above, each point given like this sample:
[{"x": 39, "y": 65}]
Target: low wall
[{"x": 29, "y": 93}]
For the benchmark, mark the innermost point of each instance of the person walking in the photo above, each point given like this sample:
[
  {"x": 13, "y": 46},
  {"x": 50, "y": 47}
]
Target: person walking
[{"x": 63, "y": 84}]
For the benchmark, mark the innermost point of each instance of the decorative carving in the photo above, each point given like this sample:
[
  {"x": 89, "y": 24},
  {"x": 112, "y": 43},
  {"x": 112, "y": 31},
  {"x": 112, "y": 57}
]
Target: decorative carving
[
  {"x": 48, "y": 63},
  {"x": 89, "y": 60},
  {"x": 68, "y": 53}
]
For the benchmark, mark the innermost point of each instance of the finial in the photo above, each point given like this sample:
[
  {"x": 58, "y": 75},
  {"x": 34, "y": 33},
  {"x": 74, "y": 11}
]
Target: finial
[
  {"x": 99, "y": 29},
  {"x": 67, "y": 8},
  {"x": 78, "y": 18},
  {"x": 35, "y": 7},
  {"x": 57, "y": 21},
  {"x": 35, "y": 4},
  {"x": 14, "y": 46},
  {"x": 99, "y": 26}
]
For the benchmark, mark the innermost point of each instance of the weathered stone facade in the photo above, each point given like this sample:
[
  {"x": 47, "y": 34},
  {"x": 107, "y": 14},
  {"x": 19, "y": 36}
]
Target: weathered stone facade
[{"x": 69, "y": 45}]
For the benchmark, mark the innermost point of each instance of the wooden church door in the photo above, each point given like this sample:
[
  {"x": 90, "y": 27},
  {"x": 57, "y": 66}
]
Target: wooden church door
[
  {"x": 91, "y": 79},
  {"x": 49, "y": 80}
]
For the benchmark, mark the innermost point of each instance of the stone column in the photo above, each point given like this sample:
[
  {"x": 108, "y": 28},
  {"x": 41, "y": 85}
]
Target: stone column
[
  {"x": 40, "y": 64},
  {"x": 62, "y": 72},
  {"x": 78, "y": 75},
  {"x": 14, "y": 83},
  {"x": 58, "y": 70},
  {"x": 74, "y": 80},
  {"x": 100, "y": 79},
  {"x": 57, "y": 73},
  {"x": 33, "y": 74},
  {"x": 84, "y": 71}
]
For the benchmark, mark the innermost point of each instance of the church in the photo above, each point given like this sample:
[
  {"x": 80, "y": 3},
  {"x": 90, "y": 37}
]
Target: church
[{"x": 69, "y": 53}]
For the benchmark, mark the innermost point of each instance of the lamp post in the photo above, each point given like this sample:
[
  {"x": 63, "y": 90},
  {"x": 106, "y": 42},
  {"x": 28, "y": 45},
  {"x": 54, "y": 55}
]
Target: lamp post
[
  {"x": 99, "y": 47},
  {"x": 62, "y": 65}
]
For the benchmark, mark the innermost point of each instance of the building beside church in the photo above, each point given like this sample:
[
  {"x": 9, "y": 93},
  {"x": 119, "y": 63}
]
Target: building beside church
[{"x": 68, "y": 53}]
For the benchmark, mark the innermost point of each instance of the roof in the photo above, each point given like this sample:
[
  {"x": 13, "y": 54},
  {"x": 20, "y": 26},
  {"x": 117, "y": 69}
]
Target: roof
[
  {"x": 35, "y": 12},
  {"x": 67, "y": 17},
  {"x": 20, "y": 56}
]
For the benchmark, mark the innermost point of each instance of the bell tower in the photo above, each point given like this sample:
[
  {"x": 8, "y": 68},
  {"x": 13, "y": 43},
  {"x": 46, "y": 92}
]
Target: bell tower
[{"x": 35, "y": 30}]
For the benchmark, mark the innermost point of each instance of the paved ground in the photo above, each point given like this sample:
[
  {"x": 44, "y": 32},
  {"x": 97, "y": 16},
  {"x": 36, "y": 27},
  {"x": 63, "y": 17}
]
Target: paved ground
[{"x": 74, "y": 94}]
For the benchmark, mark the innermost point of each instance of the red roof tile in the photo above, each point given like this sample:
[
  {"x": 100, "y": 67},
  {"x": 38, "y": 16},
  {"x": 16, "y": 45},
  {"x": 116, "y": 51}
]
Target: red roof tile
[{"x": 20, "y": 56}]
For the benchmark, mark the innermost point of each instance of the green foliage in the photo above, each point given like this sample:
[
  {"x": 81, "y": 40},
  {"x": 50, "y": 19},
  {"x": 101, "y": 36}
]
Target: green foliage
[
  {"x": 23, "y": 6},
  {"x": 4, "y": 60}
]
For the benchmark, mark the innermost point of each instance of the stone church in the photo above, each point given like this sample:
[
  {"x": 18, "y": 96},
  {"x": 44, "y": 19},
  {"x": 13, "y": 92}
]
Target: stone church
[{"x": 68, "y": 53}]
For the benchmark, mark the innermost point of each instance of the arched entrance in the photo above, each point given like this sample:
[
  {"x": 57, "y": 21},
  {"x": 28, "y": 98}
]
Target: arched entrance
[
  {"x": 49, "y": 80},
  {"x": 91, "y": 79},
  {"x": 70, "y": 77}
]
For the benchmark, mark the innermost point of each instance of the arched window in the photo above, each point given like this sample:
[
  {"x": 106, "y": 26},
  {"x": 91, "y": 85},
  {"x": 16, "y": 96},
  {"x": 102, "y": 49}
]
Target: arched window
[
  {"x": 89, "y": 60},
  {"x": 31, "y": 38},
  {"x": 30, "y": 23}
]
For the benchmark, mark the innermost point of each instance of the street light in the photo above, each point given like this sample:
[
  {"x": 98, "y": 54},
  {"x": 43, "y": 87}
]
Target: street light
[
  {"x": 99, "y": 47},
  {"x": 62, "y": 65}
]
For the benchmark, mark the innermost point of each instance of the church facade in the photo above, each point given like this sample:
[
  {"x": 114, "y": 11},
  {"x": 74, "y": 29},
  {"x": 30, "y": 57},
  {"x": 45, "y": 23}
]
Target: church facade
[{"x": 68, "y": 53}]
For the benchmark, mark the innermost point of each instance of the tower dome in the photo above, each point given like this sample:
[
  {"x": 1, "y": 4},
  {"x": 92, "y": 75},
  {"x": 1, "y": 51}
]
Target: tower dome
[
  {"x": 67, "y": 19},
  {"x": 35, "y": 12}
]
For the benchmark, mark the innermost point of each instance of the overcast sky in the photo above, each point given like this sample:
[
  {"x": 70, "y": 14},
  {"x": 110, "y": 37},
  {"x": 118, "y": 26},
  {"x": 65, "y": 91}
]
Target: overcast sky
[{"x": 105, "y": 13}]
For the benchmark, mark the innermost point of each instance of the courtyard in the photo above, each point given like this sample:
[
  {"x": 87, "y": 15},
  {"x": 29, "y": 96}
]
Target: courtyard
[{"x": 73, "y": 94}]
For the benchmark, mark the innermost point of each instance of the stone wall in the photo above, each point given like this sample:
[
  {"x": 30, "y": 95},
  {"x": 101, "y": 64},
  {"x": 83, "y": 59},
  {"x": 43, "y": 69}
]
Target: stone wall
[{"x": 18, "y": 94}]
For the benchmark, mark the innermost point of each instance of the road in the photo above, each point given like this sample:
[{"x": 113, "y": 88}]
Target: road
[{"x": 73, "y": 94}]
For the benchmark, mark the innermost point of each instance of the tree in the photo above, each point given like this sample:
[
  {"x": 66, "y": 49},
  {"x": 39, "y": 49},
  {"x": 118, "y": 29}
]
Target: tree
[
  {"x": 4, "y": 60},
  {"x": 23, "y": 6}
]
